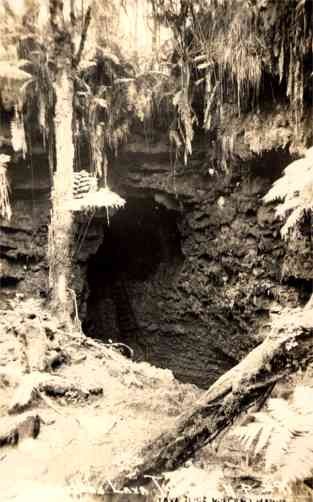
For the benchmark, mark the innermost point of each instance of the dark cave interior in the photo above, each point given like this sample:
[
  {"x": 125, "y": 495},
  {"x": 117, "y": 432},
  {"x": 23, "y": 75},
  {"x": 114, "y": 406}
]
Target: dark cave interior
[{"x": 136, "y": 241}]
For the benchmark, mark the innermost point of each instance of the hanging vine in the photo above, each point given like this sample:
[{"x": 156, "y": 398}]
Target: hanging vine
[
  {"x": 230, "y": 47},
  {"x": 5, "y": 206}
]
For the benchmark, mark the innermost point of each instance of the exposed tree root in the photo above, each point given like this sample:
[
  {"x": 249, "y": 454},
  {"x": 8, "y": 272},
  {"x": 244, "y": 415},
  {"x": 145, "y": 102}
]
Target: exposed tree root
[
  {"x": 288, "y": 348},
  {"x": 39, "y": 335},
  {"x": 31, "y": 386},
  {"x": 11, "y": 435}
]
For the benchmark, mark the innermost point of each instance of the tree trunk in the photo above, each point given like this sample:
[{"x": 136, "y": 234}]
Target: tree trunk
[
  {"x": 61, "y": 226},
  {"x": 60, "y": 232},
  {"x": 288, "y": 348}
]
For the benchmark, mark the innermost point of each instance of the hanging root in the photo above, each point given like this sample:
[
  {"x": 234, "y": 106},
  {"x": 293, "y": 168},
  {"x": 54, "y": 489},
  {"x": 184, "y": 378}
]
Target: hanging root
[
  {"x": 77, "y": 322},
  {"x": 18, "y": 133},
  {"x": 5, "y": 206}
]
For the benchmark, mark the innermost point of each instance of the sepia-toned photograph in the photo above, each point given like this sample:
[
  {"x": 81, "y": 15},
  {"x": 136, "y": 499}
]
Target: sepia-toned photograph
[{"x": 156, "y": 250}]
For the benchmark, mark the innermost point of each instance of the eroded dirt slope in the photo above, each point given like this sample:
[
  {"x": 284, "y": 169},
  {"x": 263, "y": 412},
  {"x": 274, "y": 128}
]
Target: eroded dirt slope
[{"x": 90, "y": 426}]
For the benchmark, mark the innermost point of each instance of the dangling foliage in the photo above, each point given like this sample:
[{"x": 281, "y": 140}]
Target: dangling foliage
[
  {"x": 5, "y": 207},
  {"x": 18, "y": 132},
  {"x": 231, "y": 47},
  {"x": 183, "y": 133},
  {"x": 102, "y": 113},
  {"x": 13, "y": 82},
  {"x": 295, "y": 188}
]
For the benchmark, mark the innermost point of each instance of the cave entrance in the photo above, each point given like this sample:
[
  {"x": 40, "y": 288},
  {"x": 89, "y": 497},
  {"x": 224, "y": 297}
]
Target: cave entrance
[{"x": 140, "y": 239}]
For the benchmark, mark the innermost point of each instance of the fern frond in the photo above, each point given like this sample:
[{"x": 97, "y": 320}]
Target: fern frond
[
  {"x": 303, "y": 394},
  {"x": 297, "y": 464},
  {"x": 249, "y": 434},
  {"x": 256, "y": 433},
  {"x": 288, "y": 422},
  {"x": 192, "y": 482},
  {"x": 286, "y": 433},
  {"x": 286, "y": 206},
  {"x": 296, "y": 176},
  {"x": 291, "y": 222},
  {"x": 268, "y": 425},
  {"x": 295, "y": 190},
  {"x": 260, "y": 433}
]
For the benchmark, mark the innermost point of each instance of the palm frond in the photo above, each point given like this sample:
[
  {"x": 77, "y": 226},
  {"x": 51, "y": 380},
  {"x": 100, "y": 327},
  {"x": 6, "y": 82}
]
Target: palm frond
[{"x": 97, "y": 199}]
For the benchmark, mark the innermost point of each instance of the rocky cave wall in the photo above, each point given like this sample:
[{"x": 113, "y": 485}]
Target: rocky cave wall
[
  {"x": 24, "y": 239},
  {"x": 198, "y": 317},
  {"x": 140, "y": 239},
  {"x": 199, "y": 309}
]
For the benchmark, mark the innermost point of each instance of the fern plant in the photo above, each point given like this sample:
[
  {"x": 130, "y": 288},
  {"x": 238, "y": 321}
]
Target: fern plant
[
  {"x": 285, "y": 434},
  {"x": 192, "y": 482},
  {"x": 295, "y": 190}
]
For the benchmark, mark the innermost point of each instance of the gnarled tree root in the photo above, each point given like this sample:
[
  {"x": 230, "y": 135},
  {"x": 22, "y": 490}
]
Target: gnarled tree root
[
  {"x": 11, "y": 435},
  {"x": 32, "y": 385},
  {"x": 288, "y": 348}
]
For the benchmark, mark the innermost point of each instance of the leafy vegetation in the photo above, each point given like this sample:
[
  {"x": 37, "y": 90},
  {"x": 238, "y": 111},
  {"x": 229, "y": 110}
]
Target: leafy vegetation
[
  {"x": 227, "y": 51},
  {"x": 284, "y": 433},
  {"x": 295, "y": 188},
  {"x": 79, "y": 85}
]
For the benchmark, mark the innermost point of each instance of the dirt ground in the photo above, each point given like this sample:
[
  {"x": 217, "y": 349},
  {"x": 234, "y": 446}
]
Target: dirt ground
[
  {"x": 97, "y": 410},
  {"x": 84, "y": 440}
]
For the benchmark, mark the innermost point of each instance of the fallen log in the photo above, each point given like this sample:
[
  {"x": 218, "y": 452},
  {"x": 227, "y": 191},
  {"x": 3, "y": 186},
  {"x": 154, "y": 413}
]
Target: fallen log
[{"x": 288, "y": 348}]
